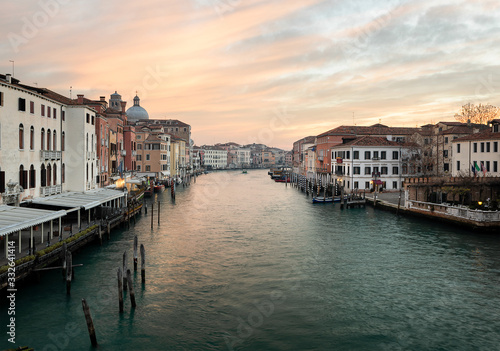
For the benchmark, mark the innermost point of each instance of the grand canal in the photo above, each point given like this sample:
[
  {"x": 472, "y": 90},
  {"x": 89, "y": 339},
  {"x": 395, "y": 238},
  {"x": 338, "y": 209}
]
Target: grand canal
[{"x": 239, "y": 262}]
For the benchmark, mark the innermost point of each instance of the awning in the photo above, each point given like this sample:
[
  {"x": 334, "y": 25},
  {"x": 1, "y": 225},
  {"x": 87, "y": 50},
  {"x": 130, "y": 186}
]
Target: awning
[
  {"x": 85, "y": 200},
  {"x": 378, "y": 182},
  {"x": 14, "y": 219}
]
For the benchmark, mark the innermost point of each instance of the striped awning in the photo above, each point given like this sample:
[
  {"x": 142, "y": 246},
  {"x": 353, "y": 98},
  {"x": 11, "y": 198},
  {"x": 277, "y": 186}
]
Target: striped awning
[{"x": 14, "y": 219}]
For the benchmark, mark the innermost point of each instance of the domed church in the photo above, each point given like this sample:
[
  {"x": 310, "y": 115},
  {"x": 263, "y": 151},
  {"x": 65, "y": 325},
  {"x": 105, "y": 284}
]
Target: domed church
[{"x": 136, "y": 112}]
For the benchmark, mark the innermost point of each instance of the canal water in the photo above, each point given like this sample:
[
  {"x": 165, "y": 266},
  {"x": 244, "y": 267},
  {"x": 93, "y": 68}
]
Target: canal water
[{"x": 240, "y": 262}]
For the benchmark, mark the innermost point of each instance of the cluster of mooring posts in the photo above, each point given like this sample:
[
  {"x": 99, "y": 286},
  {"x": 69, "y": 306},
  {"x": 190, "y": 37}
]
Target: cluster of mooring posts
[
  {"x": 324, "y": 186},
  {"x": 125, "y": 283}
]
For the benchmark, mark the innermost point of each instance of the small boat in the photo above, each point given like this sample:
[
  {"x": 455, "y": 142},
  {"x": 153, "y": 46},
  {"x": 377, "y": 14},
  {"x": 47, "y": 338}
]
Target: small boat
[
  {"x": 148, "y": 192},
  {"x": 159, "y": 188},
  {"x": 244, "y": 171},
  {"x": 282, "y": 180},
  {"x": 322, "y": 200}
]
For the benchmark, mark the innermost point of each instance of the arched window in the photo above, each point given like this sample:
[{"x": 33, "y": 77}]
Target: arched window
[
  {"x": 32, "y": 177},
  {"x": 62, "y": 141},
  {"x": 42, "y": 147},
  {"x": 43, "y": 176},
  {"x": 87, "y": 172},
  {"x": 54, "y": 170},
  {"x": 54, "y": 141},
  {"x": 48, "y": 139},
  {"x": 21, "y": 136},
  {"x": 49, "y": 174},
  {"x": 32, "y": 138}
]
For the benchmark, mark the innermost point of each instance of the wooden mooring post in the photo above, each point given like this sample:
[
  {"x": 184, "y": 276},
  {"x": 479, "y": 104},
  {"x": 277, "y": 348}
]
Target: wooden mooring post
[
  {"x": 143, "y": 264},
  {"x": 124, "y": 270},
  {"x": 135, "y": 253},
  {"x": 69, "y": 272},
  {"x": 90, "y": 323},
  {"x": 120, "y": 289},
  {"x": 152, "y": 212},
  {"x": 131, "y": 288}
]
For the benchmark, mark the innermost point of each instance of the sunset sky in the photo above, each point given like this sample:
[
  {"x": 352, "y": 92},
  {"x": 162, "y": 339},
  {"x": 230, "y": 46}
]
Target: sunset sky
[{"x": 266, "y": 71}]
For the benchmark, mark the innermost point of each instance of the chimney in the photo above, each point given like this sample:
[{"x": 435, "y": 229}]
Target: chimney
[
  {"x": 80, "y": 99},
  {"x": 103, "y": 98},
  {"x": 123, "y": 103},
  {"x": 8, "y": 78}
]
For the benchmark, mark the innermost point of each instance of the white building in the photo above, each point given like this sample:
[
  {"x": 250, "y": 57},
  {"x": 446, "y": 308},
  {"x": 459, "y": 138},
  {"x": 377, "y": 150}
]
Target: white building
[
  {"x": 32, "y": 135},
  {"x": 215, "y": 157},
  {"x": 478, "y": 154},
  {"x": 368, "y": 162}
]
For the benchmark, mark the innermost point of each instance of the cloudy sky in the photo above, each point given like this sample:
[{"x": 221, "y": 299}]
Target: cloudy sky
[{"x": 269, "y": 71}]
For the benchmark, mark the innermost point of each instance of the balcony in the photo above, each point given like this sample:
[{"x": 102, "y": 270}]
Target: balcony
[
  {"x": 50, "y": 155},
  {"x": 375, "y": 158},
  {"x": 320, "y": 158},
  {"x": 134, "y": 153},
  {"x": 124, "y": 152},
  {"x": 50, "y": 190}
]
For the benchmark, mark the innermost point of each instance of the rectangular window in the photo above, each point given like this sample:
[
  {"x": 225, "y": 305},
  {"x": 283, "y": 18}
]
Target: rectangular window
[
  {"x": 63, "y": 115},
  {"x": 367, "y": 155},
  {"x": 395, "y": 170},
  {"x": 55, "y": 113},
  {"x": 446, "y": 140},
  {"x": 32, "y": 107},
  {"x": 138, "y": 157},
  {"x": 368, "y": 170},
  {"x": 48, "y": 111},
  {"x": 446, "y": 167},
  {"x": 356, "y": 185},
  {"x": 383, "y": 170},
  {"x": 395, "y": 155},
  {"x": 357, "y": 170},
  {"x": 383, "y": 155},
  {"x": 488, "y": 166},
  {"x": 375, "y": 155},
  {"x": 21, "y": 105},
  {"x": 458, "y": 148},
  {"x": 488, "y": 147},
  {"x": 88, "y": 118},
  {"x": 1, "y": 102},
  {"x": 42, "y": 110},
  {"x": 458, "y": 165},
  {"x": 139, "y": 168},
  {"x": 2, "y": 181},
  {"x": 475, "y": 147},
  {"x": 495, "y": 166},
  {"x": 375, "y": 170},
  {"x": 445, "y": 153},
  {"x": 356, "y": 155},
  {"x": 367, "y": 185},
  {"x": 348, "y": 155},
  {"x": 148, "y": 168},
  {"x": 394, "y": 185},
  {"x": 495, "y": 146},
  {"x": 147, "y": 157},
  {"x": 482, "y": 147}
]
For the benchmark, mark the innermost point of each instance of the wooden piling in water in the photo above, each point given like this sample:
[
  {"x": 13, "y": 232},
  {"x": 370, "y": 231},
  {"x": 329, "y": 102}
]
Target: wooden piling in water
[
  {"x": 143, "y": 264},
  {"x": 124, "y": 270},
  {"x": 120, "y": 289},
  {"x": 135, "y": 253},
  {"x": 131, "y": 288},
  {"x": 63, "y": 254},
  {"x": 152, "y": 211},
  {"x": 90, "y": 323},
  {"x": 69, "y": 272}
]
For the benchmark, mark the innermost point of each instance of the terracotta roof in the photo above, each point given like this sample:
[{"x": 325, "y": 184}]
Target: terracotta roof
[
  {"x": 463, "y": 129},
  {"x": 369, "y": 141},
  {"x": 451, "y": 123},
  {"x": 486, "y": 135},
  {"x": 376, "y": 129}
]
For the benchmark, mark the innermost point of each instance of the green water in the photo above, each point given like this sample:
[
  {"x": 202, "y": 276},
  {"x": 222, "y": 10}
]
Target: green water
[{"x": 243, "y": 263}]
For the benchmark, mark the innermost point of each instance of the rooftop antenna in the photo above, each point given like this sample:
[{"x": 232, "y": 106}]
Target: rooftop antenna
[
  {"x": 70, "y": 92},
  {"x": 12, "y": 67}
]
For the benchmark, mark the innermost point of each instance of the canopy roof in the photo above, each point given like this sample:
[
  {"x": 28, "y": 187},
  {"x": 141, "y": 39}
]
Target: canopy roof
[
  {"x": 13, "y": 219},
  {"x": 85, "y": 200}
]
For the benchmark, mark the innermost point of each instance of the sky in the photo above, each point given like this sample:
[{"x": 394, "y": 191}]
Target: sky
[{"x": 263, "y": 71}]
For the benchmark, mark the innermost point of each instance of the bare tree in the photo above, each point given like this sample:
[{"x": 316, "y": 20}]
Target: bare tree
[{"x": 480, "y": 114}]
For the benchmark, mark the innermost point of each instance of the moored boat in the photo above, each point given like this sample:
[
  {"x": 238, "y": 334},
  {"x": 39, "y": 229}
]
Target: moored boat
[{"x": 159, "y": 188}]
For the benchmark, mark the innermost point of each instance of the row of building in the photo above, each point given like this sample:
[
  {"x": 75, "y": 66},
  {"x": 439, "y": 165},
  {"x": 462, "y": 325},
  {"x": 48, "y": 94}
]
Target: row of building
[
  {"x": 50, "y": 143},
  {"x": 232, "y": 155},
  {"x": 378, "y": 156}
]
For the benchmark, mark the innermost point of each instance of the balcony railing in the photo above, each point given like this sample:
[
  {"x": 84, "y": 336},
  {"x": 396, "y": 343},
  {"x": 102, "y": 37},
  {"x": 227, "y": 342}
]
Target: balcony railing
[
  {"x": 50, "y": 155},
  {"x": 50, "y": 190},
  {"x": 124, "y": 152}
]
